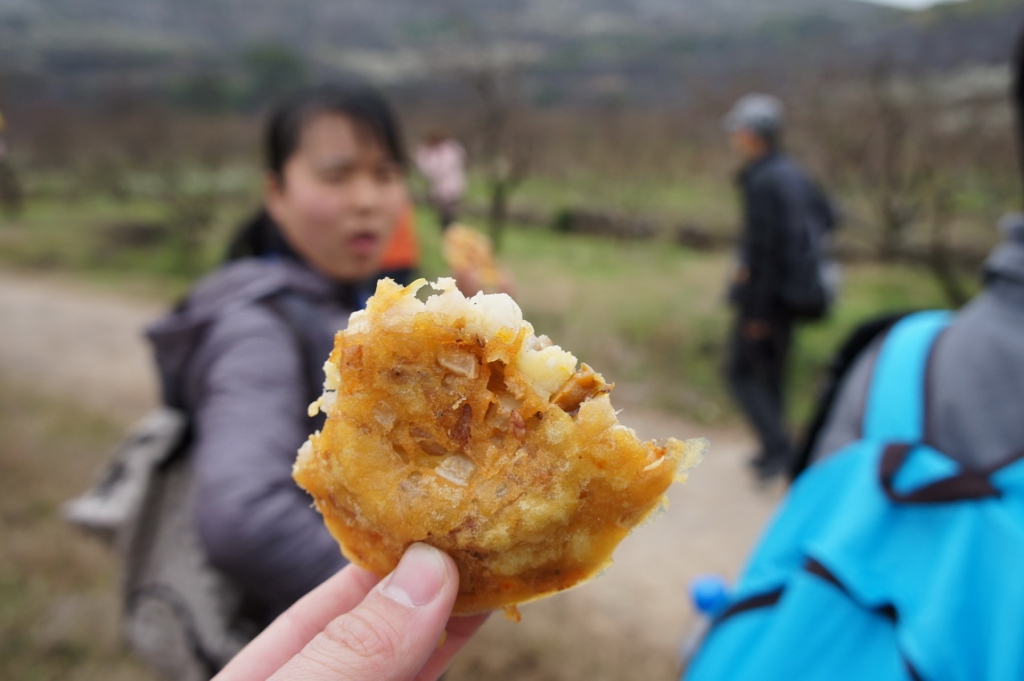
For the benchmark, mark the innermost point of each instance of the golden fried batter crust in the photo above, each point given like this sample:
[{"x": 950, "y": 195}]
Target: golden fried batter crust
[{"x": 476, "y": 438}]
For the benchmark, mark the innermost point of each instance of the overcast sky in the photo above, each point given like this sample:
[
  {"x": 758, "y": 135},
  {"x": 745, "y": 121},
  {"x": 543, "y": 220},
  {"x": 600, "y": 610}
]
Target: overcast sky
[{"x": 910, "y": 4}]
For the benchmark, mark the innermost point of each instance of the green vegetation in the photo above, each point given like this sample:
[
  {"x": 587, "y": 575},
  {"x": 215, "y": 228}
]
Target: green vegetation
[
  {"x": 651, "y": 315},
  {"x": 648, "y": 314},
  {"x": 705, "y": 201},
  {"x": 125, "y": 244},
  {"x": 58, "y": 596}
]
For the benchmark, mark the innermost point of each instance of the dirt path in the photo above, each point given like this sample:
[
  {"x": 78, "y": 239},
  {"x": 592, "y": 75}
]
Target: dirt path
[{"x": 57, "y": 335}]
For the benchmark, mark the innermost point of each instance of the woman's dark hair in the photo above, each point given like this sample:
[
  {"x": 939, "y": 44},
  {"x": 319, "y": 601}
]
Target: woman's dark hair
[{"x": 359, "y": 102}]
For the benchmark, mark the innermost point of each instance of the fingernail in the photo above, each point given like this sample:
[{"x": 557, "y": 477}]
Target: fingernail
[{"x": 419, "y": 577}]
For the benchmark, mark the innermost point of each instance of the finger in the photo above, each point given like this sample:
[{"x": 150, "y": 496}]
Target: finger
[
  {"x": 459, "y": 631},
  {"x": 296, "y": 627},
  {"x": 392, "y": 634}
]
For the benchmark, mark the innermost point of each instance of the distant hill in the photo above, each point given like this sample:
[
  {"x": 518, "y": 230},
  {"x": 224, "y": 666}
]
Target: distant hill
[
  {"x": 316, "y": 24},
  {"x": 568, "y": 49}
]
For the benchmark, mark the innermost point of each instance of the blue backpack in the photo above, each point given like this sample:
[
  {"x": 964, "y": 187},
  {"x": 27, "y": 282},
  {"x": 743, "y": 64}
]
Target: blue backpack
[{"x": 886, "y": 561}]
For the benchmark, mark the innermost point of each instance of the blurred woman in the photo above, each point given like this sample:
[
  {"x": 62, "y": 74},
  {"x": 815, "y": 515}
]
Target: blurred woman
[
  {"x": 442, "y": 160},
  {"x": 242, "y": 356}
]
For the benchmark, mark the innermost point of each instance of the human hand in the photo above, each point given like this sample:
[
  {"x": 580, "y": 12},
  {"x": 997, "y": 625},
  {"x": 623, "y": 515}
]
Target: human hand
[
  {"x": 756, "y": 329},
  {"x": 359, "y": 628},
  {"x": 468, "y": 281}
]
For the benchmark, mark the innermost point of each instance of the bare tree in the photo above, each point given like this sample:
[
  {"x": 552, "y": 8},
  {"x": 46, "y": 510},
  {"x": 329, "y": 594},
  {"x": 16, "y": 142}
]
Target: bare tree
[
  {"x": 899, "y": 162},
  {"x": 870, "y": 126},
  {"x": 504, "y": 147},
  {"x": 923, "y": 153},
  {"x": 502, "y": 141},
  {"x": 940, "y": 211}
]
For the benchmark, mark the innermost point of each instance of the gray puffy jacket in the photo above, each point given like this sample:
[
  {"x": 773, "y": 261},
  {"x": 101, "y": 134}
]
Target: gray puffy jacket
[
  {"x": 975, "y": 376},
  {"x": 236, "y": 366}
]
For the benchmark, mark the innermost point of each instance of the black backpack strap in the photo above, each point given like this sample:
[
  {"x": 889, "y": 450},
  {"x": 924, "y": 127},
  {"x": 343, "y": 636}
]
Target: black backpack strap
[
  {"x": 966, "y": 485},
  {"x": 316, "y": 340},
  {"x": 824, "y": 208},
  {"x": 840, "y": 366}
]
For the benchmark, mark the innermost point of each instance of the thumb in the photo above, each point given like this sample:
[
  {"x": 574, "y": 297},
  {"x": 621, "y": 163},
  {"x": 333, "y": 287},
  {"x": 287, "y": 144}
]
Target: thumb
[{"x": 392, "y": 633}]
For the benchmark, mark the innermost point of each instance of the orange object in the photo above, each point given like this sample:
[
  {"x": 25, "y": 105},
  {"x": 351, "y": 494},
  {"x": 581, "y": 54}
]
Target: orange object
[
  {"x": 403, "y": 251},
  {"x": 470, "y": 256}
]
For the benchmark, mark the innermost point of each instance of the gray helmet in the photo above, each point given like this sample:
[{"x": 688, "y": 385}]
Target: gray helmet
[{"x": 758, "y": 113}]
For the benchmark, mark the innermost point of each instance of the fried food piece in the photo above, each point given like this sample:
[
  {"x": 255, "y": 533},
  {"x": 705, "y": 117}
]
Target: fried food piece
[
  {"x": 470, "y": 256},
  {"x": 449, "y": 422}
]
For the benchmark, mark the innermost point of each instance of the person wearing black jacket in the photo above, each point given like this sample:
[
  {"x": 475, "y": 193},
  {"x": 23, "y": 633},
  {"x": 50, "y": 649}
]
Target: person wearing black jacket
[{"x": 779, "y": 199}]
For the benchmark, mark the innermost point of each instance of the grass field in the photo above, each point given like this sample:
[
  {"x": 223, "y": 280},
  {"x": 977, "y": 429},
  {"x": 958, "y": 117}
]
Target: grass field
[
  {"x": 649, "y": 314},
  {"x": 702, "y": 201},
  {"x": 58, "y": 603},
  {"x": 652, "y": 315}
]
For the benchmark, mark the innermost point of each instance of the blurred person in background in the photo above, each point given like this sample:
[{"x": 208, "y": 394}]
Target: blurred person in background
[
  {"x": 779, "y": 201},
  {"x": 242, "y": 356},
  {"x": 914, "y": 489},
  {"x": 442, "y": 161}
]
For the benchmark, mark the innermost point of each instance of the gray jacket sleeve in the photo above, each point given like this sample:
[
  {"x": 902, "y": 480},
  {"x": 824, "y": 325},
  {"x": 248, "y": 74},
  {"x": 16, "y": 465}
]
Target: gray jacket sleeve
[{"x": 256, "y": 524}]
